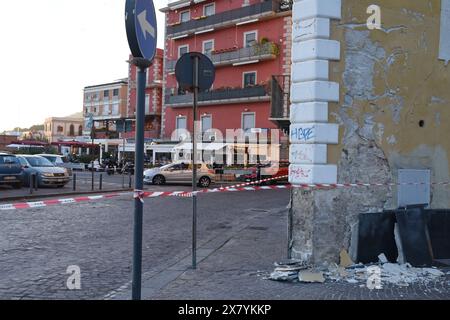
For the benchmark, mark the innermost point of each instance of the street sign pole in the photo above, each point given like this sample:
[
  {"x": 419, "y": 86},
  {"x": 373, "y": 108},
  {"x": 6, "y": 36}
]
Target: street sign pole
[
  {"x": 139, "y": 182},
  {"x": 195, "y": 73},
  {"x": 122, "y": 158},
  {"x": 141, "y": 27},
  {"x": 93, "y": 152},
  {"x": 194, "y": 164}
]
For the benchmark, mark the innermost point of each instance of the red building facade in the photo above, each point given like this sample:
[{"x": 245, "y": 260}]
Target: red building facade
[
  {"x": 153, "y": 100},
  {"x": 249, "y": 43}
]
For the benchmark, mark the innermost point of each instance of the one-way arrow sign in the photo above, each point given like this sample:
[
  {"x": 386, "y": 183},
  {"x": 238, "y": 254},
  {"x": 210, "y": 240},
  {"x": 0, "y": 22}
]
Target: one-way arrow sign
[
  {"x": 140, "y": 21},
  {"x": 145, "y": 25}
]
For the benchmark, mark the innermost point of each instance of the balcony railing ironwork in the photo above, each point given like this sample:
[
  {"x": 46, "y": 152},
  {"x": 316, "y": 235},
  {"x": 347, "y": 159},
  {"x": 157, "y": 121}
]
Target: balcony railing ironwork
[
  {"x": 230, "y": 16},
  {"x": 218, "y": 95},
  {"x": 256, "y": 52},
  {"x": 280, "y": 100}
]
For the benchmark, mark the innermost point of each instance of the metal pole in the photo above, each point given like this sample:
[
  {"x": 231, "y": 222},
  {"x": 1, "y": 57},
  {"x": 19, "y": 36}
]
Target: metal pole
[
  {"x": 93, "y": 152},
  {"x": 123, "y": 153},
  {"x": 74, "y": 177},
  {"x": 194, "y": 166},
  {"x": 130, "y": 180},
  {"x": 139, "y": 183},
  {"x": 31, "y": 183},
  {"x": 101, "y": 182}
]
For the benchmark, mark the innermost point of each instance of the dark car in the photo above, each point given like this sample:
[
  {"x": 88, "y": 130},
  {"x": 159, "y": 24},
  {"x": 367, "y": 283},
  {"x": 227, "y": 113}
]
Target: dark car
[{"x": 10, "y": 171}]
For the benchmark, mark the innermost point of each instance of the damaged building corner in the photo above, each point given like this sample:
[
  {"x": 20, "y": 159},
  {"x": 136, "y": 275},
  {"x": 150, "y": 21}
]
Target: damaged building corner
[{"x": 391, "y": 105}]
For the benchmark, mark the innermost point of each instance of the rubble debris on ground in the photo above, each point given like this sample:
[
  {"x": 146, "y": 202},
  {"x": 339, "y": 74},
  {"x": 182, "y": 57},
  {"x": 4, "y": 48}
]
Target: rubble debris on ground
[
  {"x": 346, "y": 261},
  {"x": 287, "y": 271},
  {"x": 402, "y": 275},
  {"x": 310, "y": 276},
  {"x": 382, "y": 258}
]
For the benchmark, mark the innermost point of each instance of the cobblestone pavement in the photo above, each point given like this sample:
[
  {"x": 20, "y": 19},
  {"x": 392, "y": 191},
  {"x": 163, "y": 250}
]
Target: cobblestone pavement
[
  {"x": 37, "y": 245},
  {"x": 238, "y": 271},
  {"x": 241, "y": 235}
]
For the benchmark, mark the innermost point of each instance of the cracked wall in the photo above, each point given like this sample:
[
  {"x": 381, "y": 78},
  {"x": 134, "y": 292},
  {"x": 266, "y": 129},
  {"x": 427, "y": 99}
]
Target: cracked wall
[{"x": 391, "y": 81}]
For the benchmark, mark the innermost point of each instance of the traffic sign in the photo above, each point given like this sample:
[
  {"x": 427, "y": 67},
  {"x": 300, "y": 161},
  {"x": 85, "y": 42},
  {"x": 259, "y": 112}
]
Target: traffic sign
[
  {"x": 89, "y": 122},
  {"x": 142, "y": 31},
  {"x": 184, "y": 72},
  {"x": 141, "y": 26}
]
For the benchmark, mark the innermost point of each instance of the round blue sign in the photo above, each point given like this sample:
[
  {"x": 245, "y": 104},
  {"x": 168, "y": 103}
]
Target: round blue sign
[
  {"x": 184, "y": 71},
  {"x": 141, "y": 26}
]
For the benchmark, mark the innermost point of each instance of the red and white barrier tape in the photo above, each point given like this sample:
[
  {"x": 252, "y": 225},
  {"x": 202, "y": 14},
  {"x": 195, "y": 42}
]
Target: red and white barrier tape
[
  {"x": 47, "y": 203},
  {"x": 354, "y": 185},
  {"x": 254, "y": 182},
  {"x": 139, "y": 194},
  {"x": 189, "y": 194}
]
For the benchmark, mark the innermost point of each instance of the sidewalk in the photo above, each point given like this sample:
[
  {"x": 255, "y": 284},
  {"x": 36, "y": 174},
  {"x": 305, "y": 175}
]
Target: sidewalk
[{"x": 235, "y": 265}]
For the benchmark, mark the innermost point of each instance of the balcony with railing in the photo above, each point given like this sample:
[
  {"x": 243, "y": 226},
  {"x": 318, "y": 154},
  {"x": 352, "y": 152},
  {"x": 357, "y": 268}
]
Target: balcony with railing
[
  {"x": 254, "y": 53},
  {"x": 280, "y": 101},
  {"x": 221, "y": 96},
  {"x": 229, "y": 18}
]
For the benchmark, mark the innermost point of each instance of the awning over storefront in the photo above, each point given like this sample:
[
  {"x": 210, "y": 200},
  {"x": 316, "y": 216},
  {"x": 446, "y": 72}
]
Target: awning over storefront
[
  {"x": 23, "y": 146},
  {"x": 30, "y": 143},
  {"x": 75, "y": 144}
]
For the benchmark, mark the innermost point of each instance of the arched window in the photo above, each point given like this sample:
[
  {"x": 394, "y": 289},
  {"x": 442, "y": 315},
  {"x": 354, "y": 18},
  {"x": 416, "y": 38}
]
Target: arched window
[
  {"x": 80, "y": 130},
  {"x": 60, "y": 129},
  {"x": 72, "y": 130}
]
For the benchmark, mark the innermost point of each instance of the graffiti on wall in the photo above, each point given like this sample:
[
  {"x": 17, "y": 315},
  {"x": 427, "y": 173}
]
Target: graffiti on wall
[
  {"x": 299, "y": 173},
  {"x": 306, "y": 134}
]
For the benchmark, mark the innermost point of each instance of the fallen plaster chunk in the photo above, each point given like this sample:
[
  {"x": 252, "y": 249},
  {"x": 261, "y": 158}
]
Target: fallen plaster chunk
[
  {"x": 434, "y": 272},
  {"x": 283, "y": 276},
  {"x": 343, "y": 273},
  {"x": 401, "y": 275},
  {"x": 346, "y": 261},
  {"x": 356, "y": 266},
  {"x": 309, "y": 276},
  {"x": 352, "y": 281},
  {"x": 290, "y": 266},
  {"x": 289, "y": 263},
  {"x": 404, "y": 274},
  {"x": 382, "y": 258}
]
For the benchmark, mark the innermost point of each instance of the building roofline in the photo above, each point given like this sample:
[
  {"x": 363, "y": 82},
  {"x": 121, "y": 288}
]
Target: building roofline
[
  {"x": 63, "y": 119},
  {"x": 121, "y": 81}
]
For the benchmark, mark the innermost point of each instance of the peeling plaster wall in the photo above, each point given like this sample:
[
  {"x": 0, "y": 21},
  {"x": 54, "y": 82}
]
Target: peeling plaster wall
[{"x": 390, "y": 80}]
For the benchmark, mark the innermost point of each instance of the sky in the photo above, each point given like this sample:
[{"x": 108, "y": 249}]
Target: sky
[{"x": 52, "y": 49}]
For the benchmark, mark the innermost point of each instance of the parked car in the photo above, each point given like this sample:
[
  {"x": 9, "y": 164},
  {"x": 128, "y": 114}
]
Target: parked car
[
  {"x": 47, "y": 173},
  {"x": 180, "y": 173},
  {"x": 58, "y": 161},
  {"x": 267, "y": 171},
  {"x": 63, "y": 162},
  {"x": 10, "y": 171}
]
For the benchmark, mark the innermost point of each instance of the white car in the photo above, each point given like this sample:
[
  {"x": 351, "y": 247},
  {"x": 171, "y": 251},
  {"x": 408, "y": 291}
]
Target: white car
[{"x": 180, "y": 173}]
